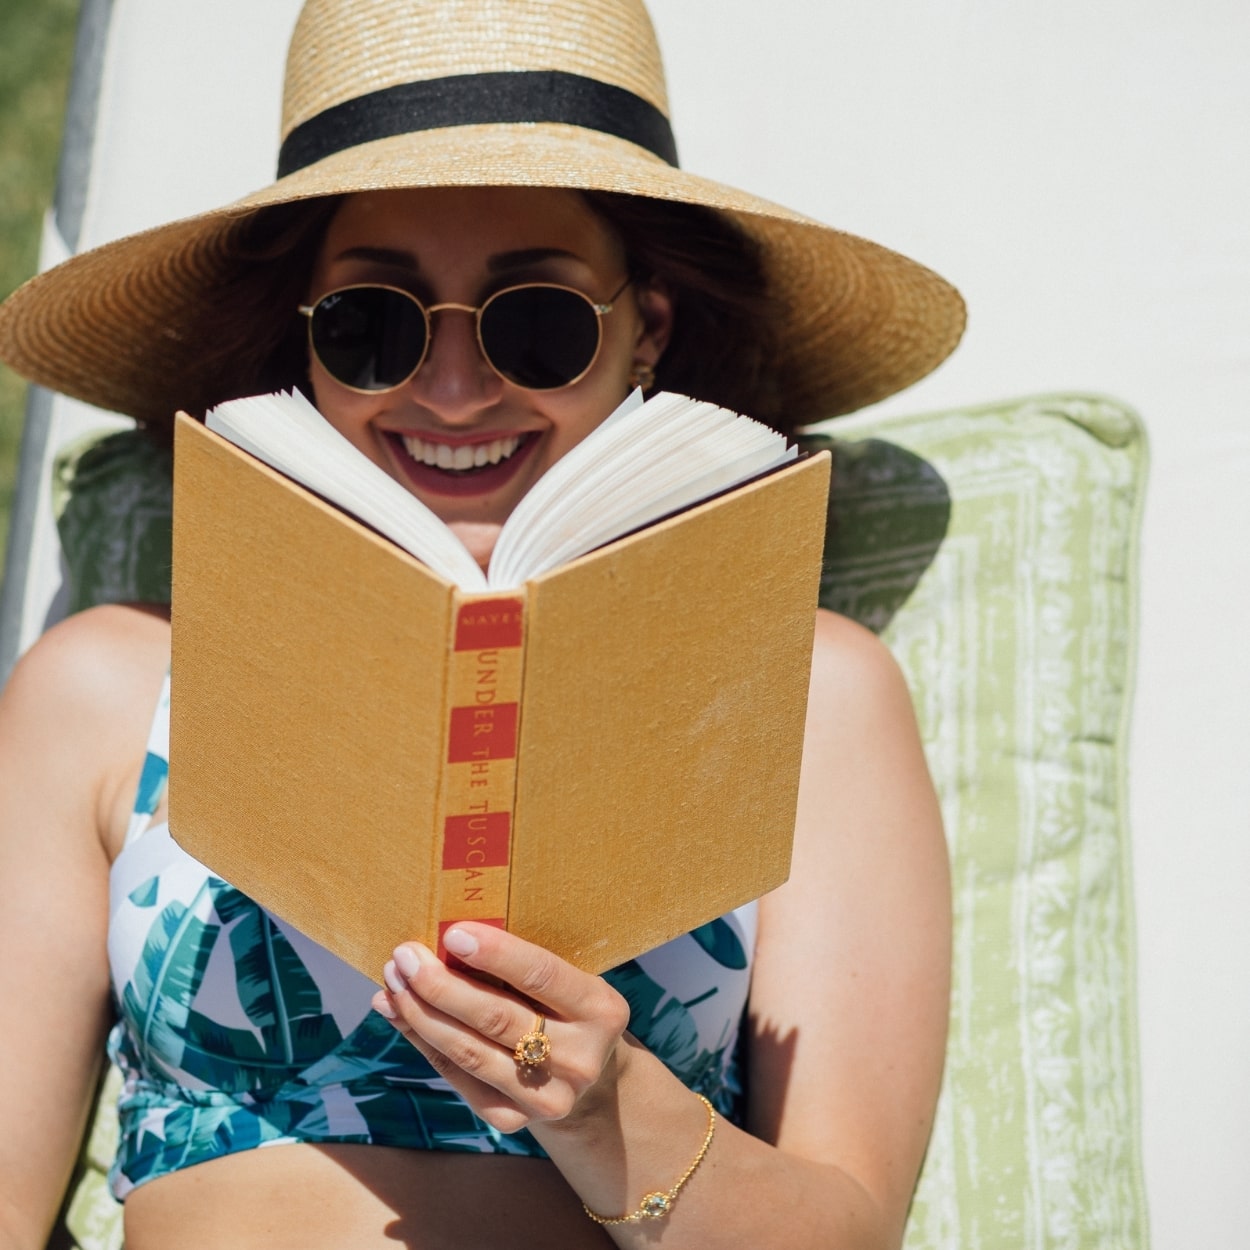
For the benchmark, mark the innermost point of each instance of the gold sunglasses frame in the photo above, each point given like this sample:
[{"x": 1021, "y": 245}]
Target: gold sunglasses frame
[{"x": 600, "y": 311}]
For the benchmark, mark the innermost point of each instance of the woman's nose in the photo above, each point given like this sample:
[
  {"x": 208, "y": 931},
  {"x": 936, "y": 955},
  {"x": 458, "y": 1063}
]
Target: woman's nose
[{"x": 454, "y": 380}]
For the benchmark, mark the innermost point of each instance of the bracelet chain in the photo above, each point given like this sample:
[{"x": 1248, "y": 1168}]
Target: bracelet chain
[{"x": 660, "y": 1202}]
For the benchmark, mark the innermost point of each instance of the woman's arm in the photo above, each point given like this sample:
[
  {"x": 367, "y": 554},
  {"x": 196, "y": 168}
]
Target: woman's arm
[
  {"x": 72, "y": 732},
  {"x": 848, "y": 1012},
  {"x": 852, "y": 981}
]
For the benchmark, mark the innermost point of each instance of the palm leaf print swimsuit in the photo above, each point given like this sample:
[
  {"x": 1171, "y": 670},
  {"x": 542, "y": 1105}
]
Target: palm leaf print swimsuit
[{"x": 236, "y": 1031}]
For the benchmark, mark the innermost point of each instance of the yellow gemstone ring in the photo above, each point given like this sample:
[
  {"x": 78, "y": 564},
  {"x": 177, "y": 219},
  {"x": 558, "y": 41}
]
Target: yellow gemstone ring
[{"x": 534, "y": 1048}]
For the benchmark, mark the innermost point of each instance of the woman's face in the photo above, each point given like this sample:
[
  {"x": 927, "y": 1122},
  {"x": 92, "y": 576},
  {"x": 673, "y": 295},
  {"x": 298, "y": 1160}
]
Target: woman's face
[{"x": 459, "y": 245}]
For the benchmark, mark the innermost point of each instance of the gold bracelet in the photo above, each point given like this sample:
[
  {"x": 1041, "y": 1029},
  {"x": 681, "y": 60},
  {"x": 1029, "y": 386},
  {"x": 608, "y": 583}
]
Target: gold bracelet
[{"x": 659, "y": 1203}]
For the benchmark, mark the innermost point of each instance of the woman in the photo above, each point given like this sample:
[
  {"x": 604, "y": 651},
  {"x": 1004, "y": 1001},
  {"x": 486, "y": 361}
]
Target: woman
[{"x": 450, "y": 152}]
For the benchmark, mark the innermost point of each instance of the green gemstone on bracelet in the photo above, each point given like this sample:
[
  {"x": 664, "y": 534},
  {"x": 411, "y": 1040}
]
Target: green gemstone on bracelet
[{"x": 655, "y": 1205}]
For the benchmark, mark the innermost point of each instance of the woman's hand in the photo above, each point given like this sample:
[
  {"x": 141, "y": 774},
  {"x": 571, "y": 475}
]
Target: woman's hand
[{"x": 469, "y": 1029}]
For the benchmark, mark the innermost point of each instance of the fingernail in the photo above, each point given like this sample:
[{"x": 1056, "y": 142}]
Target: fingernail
[
  {"x": 407, "y": 961},
  {"x": 458, "y": 942},
  {"x": 382, "y": 1005},
  {"x": 394, "y": 982}
]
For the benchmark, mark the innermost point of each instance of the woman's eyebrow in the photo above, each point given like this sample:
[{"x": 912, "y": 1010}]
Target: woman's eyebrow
[
  {"x": 381, "y": 256},
  {"x": 504, "y": 261}
]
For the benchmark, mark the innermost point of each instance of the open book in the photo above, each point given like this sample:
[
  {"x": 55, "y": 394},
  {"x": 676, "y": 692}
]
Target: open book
[
  {"x": 648, "y": 459},
  {"x": 599, "y": 748}
]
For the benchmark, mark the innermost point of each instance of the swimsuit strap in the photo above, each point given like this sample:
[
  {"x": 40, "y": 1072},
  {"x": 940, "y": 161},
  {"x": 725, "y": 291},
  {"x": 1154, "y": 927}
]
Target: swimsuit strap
[{"x": 155, "y": 775}]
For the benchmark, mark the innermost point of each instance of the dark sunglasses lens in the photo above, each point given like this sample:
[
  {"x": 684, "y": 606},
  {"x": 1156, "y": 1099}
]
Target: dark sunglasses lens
[
  {"x": 368, "y": 337},
  {"x": 540, "y": 337}
]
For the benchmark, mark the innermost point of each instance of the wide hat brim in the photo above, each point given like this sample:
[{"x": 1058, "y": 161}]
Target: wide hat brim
[{"x": 123, "y": 326}]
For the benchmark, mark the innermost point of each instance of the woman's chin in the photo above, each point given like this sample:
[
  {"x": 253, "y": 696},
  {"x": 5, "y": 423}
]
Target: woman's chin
[{"x": 479, "y": 537}]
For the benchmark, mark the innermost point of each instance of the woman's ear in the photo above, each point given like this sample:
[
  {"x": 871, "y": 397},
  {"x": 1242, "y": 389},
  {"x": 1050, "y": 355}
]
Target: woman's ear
[{"x": 655, "y": 308}]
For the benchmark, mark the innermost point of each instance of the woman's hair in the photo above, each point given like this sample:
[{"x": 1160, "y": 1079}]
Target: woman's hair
[
  {"x": 263, "y": 345},
  {"x": 721, "y": 348}
]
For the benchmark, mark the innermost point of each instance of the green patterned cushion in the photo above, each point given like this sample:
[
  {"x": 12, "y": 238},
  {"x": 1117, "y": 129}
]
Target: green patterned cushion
[
  {"x": 994, "y": 549},
  {"x": 111, "y": 498},
  {"x": 1018, "y": 642}
]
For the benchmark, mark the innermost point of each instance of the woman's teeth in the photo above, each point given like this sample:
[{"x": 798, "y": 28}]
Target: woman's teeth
[{"x": 466, "y": 456}]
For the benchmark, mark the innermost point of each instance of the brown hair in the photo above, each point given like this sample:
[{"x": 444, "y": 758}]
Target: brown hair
[
  {"x": 724, "y": 326},
  {"x": 262, "y": 345}
]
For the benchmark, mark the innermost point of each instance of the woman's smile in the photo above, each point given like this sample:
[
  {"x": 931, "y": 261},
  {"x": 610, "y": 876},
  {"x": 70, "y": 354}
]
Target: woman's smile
[
  {"x": 465, "y": 440},
  {"x": 472, "y": 464}
]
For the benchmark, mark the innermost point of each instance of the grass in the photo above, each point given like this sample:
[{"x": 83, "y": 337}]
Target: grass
[{"x": 36, "y": 51}]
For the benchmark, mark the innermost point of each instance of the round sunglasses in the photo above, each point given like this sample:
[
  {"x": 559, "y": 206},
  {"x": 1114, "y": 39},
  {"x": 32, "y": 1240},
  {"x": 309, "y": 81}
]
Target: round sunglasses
[{"x": 540, "y": 335}]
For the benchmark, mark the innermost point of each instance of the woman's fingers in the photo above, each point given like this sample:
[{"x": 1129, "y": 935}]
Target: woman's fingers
[
  {"x": 489, "y": 1102},
  {"x": 489, "y": 1011},
  {"x": 473, "y": 1045},
  {"x": 472, "y": 1030},
  {"x": 559, "y": 989}
]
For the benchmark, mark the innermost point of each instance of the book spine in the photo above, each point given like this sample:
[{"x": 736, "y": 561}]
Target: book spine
[{"x": 475, "y": 814}]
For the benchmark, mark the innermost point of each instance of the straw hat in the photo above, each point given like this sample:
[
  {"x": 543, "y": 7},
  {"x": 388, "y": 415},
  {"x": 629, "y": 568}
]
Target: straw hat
[{"x": 423, "y": 93}]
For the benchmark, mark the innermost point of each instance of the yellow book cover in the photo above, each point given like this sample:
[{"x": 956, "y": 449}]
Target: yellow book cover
[{"x": 599, "y": 760}]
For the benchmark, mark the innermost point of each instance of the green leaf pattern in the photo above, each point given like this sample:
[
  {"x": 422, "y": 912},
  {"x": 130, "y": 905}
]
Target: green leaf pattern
[
  {"x": 236, "y": 1031},
  {"x": 686, "y": 1000}
]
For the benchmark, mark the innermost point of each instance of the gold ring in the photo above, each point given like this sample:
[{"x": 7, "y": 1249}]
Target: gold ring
[{"x": 534, "y": 1048}]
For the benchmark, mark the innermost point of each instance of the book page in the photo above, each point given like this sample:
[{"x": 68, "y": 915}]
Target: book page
[
  {"x": 669, "y": 454},
  {"x": 647, "y": 460},
  {"x": 287, "y": 433}
]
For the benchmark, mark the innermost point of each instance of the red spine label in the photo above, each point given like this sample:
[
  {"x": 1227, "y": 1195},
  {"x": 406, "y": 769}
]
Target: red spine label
[
  {"x": 478, "y": 841},
  {"x": 479, "y": 777},
  {"x": 489, "y": 623},
  {"x": 482, "y": 733}
]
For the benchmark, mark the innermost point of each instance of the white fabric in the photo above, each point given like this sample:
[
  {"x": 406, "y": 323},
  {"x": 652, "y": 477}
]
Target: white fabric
[{"x": 1080, "y": 172}]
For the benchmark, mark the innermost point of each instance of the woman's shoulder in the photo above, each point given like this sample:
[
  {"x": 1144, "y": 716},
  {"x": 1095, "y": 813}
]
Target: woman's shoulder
[
  {"x": 861, "y": 720},
  {"x": 74, "y": 717},
  {"x": 93, "y": 659},
  {"x": 87, "y": 688},
  {"x": 853, "y": 668}
]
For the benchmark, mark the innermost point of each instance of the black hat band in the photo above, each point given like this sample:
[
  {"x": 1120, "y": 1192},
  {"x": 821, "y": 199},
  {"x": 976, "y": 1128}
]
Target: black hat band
[{"x": 479, "y": 99}]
